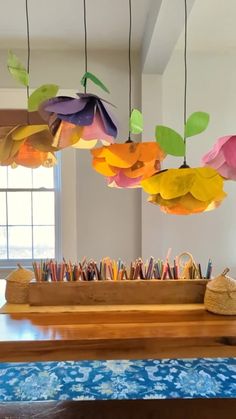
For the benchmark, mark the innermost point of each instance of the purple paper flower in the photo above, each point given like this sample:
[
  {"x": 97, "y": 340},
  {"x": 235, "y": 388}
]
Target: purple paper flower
[{"x": 87, "y": 112}]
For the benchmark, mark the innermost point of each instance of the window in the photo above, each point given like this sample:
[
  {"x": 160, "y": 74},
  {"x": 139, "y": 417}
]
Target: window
[{"x": 28, "y": 214}]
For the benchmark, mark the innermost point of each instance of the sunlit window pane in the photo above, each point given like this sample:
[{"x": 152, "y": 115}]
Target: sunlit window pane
[
  {"x": 3, "y": 243},
  {"x": 20, "y": 177},
  {"x": 3, "y": 220},
  {"x": 3, "y": 177},
  {"x": 20, "y": 242},
  {"x": 19, "y": 208},
  {"x": 43, "y": 178},
  {"x": 44, "y": 242},
  {"x": 27, "y": 213},
  {"x": 43, "y": 208}
]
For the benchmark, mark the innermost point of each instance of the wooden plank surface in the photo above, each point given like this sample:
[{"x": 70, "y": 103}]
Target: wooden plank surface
[
  {"x": 126, "y": 409},
  {"x": 115, "y": 333},
  {"x": 117, "y": 292},
  {"x": 12, "y": 117}
]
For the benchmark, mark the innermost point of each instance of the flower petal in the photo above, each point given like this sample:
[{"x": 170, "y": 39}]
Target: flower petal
[
  {"x": 101, "y": 166},
  {"x": 229, "y": 150},
  {"x": 184, "y": 205},
  {"x": 217, "y": 161},
  {"x": 150, "y": 151},
  {"x": 25, "y": 131},
  {"x": 143, "y": 169},
  {"x": 81, "y": 118},
  {"x": 108, "y": 124},
  {"x": 206, "y": 188},
  {"x": 66, "y": 135},
  {"x": 227, "y": 171},
  {"x": 96, "y": 131},
  {"x": 65, "y": 105},
  {"x": 29, "y": 157},
  {"x": 43, "y": 141},
  {"x": 121, "y": 155},
  {"x": 176, "y": 182},
  {"x": 152, "y": 185},
  {"x": 85, "y": 144},
  {"x": 216, "y": 149},
  {"x": 121, "y": 181},
  {"x": 99, "y": 152},
  {"x": 8, "y": 147}
]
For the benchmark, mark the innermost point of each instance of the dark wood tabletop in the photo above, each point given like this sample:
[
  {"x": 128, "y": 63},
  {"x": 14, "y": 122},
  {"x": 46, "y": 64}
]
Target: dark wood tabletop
[{"x": 117, "y": 332}]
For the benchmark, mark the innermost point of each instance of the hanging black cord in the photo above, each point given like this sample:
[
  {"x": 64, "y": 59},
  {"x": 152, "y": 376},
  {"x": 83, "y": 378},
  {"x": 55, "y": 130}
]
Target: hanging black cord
[
  {"x": 185, "y": 73},
  {"x": 28, "y": 52},
  {"x": 85, "y": 45},
  {"x": 129, "y": 53}
]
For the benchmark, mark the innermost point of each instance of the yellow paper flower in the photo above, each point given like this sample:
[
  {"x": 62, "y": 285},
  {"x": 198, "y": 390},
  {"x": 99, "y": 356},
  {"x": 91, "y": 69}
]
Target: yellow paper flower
[
  {"x": 28, "y": 145},
  {"x": 185, "y": 191},
  {"x": 125, "y": 165}
]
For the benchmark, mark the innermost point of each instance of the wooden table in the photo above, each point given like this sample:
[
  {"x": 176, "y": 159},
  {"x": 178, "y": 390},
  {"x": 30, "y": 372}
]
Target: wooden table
[{"x": 117, "y": 332}]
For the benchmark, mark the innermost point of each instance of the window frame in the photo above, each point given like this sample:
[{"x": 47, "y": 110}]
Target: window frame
[{"x": 7, "y": 264}]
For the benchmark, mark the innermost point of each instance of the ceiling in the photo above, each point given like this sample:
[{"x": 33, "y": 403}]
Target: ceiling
[
  {"x": 157, "y": 26},
  {"x": 211, "y": 26},
  {"x": 58, "y": 24}
]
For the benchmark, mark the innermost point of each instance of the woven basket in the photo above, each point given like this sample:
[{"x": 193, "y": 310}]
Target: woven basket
[
  {"x": 17, "y": 286},
  {"x": 220, "y": 296}
]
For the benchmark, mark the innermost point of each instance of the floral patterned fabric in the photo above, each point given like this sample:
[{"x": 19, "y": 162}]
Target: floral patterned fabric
[{"x": 92, "y": 380}]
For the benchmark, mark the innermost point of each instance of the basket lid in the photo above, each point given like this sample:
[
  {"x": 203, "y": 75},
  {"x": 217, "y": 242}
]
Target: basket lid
[
  {"x": 20, "y": 275},
  {"x": 222, "y": 283}
]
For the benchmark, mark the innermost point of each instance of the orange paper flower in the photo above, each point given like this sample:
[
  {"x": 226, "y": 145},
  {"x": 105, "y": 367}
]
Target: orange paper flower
[
  {"x": 125, "y": 165},
  {"x": 185, "y": 191},
  {"x": 29, "y": 146}
]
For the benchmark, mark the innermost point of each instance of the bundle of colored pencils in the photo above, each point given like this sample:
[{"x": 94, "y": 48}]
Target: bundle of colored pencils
[{"x": 108, "y": 269}]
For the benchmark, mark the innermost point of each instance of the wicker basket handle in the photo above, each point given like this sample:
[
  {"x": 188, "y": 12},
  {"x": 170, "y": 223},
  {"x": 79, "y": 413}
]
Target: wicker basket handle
[{"x": 225, "y": 271}]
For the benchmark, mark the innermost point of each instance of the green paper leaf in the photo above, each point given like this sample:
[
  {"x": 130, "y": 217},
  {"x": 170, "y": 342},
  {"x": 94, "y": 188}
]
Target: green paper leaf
[
  {"x": 136, "y": 122},
  {"x": 94, "y": 79},
  {"x": 44, "y": 92},
  {"x": 196, "y": 123},
  {"x": 17, "y": 69},
  {"x": 170, "y": 141}
]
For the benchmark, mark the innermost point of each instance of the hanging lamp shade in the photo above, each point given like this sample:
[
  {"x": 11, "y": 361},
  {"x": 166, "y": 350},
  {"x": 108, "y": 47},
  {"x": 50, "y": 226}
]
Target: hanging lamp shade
[
  {"x": 185, "y": 191},
  {"x": 222, "y": 157},
  {"x": 79, "y": 122},
  {"x": 29, "y": 146},
  {"x": 22, "y": 142},
  {"x": 126, "y": 165},
  {"x": 83, "y": 121}
]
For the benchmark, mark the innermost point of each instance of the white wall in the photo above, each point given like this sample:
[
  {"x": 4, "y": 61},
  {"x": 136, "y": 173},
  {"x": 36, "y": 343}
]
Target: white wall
[
  {"x": 211, "y": 88},
  {"x": 96, "y": 220},
  {"x": 152, "y": 230}
]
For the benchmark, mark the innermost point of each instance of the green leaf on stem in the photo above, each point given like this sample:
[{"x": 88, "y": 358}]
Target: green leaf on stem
[
  {"x": 170, "y": 141},
  {"x": 17, "y": 69},
  {"x": 44, "y": 92},
  {"x": 196, "y": 123},
  {"x": 136, "y": 122},
  {"x": 94, "y": 79}
]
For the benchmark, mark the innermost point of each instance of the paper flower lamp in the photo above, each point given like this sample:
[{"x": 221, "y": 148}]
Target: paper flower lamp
[
  {"x": 222, "y": 157},
  {"x": 125, "y": 165},
  {"x": 185, "y": 191},
  {"x": 28, "y": 146},
  {"x": 79, "y": 122}
]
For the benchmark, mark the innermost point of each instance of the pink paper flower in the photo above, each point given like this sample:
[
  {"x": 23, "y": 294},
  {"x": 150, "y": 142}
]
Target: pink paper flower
[{"x": 222, "y": 157}]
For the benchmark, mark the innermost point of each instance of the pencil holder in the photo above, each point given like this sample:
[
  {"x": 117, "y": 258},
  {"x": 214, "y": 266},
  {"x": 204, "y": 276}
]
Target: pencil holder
[
  {"x": 220, "y": 296},
  {"x": 107, "y": 292},
  {"x": 17, "y": 286}
]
